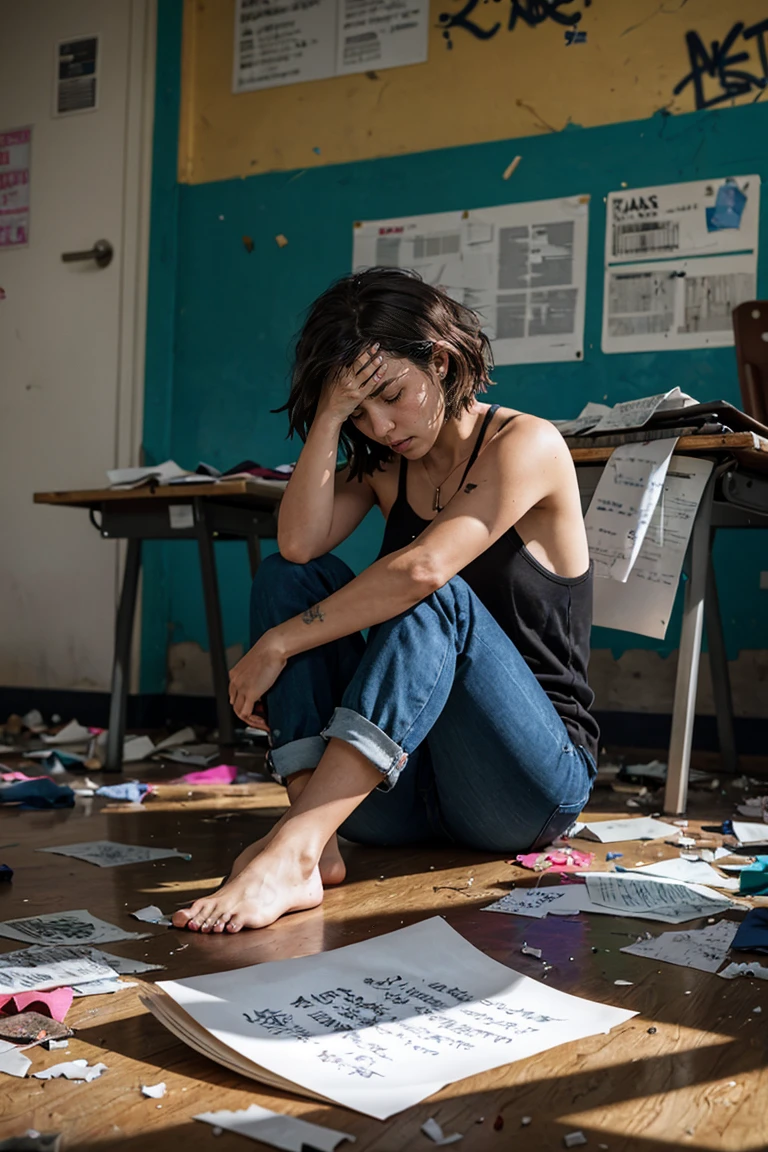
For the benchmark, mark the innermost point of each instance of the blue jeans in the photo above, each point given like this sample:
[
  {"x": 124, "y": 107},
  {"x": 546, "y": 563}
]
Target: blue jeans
[{"x": 470, "y": 748}]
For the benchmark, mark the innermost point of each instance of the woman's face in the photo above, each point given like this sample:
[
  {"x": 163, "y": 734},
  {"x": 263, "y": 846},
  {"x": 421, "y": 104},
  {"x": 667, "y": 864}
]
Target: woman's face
[{"x": 405, "y": 412}]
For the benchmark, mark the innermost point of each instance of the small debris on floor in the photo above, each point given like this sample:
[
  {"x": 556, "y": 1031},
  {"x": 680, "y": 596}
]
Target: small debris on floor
[
  {"x": 433, "y": 1130},
  {"x": 574, "y": 1139},
  {"x": 155, "y": 1091}
]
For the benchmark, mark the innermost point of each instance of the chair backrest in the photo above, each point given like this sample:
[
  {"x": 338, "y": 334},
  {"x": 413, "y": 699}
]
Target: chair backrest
[{"x": 750, "y": 329}]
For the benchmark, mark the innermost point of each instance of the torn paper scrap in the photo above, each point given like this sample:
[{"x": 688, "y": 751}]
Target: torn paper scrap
[
  {"x": 624, "y": 502},
  {"x": 110, "y": 854},
  {"x": 103, "y": 987},
  {"x": 183, "y": 736},
  {"x": 689, "y": 871},
  {"x": 72, "y": 1070},
  {"x": 151, "y": 915},
  {"x": 639, "y": 828},
  {"x": 12, "y": 1061},
  {"x": 701, "y": 948},
  {"x": 756, "y": 971},
  {"x": 154, "y": 1091},
  {"x": 287, "y": 1132},
  {"x": 434, "y": 1131},
  {"x": 52, "y": 965},
  {"x": 137, "y": 748},
  {"x": 76, "y": 926},
  {"x": 539, "y": 902},
  {"x": 747, "y": 833},
  {"x": 72, "y": 733}
]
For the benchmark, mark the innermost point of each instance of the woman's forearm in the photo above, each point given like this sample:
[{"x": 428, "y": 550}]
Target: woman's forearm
[
  {"x": 390, "y": 586},
  {"x": 306, "y": 509}
]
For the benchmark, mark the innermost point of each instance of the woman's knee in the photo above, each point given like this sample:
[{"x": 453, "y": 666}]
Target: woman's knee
[{"x": 281, "y": 588}]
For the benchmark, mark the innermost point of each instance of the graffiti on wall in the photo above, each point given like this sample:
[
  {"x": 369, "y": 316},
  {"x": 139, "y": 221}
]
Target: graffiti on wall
[
  {"x": 735, "y": 66},
  {"x": 474, "y": 17}
]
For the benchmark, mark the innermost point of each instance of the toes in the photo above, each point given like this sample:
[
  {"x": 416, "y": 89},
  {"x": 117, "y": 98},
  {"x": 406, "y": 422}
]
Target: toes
[
  {"x": 181, "y": 918},
  {"x": 222, "y": 922},
  {"x": 233, "y": 924}
]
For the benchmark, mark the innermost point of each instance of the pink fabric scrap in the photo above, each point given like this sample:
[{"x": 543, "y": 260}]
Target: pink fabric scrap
[
  {"x": 54, "y": 1003},
  {"x": 220, "y": 774},
  {"x": 8, "y": 776},
  {"x": 558, "y": 860}
]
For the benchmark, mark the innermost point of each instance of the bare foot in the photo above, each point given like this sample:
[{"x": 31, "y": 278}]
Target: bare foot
[
  {"x": 333, "y": 870},
  {"x": 265, "y": 888}
]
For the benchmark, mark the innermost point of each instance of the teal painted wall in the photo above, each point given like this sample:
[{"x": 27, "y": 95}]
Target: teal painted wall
[{"x": 236, "y": 314}]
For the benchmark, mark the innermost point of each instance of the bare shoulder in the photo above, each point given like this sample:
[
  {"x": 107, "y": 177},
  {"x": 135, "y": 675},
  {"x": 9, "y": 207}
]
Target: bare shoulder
[{"x": 532, "y": 436}]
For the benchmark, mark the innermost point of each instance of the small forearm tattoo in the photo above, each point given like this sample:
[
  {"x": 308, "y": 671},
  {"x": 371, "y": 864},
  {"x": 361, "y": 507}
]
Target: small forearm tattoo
[
  {"x": 312, "y": 614},
  {"x": 470, "y": 488}
]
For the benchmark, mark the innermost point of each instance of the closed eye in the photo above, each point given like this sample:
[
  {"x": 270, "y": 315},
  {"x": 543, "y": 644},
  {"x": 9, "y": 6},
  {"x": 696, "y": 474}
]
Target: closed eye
[{"x": 387, "y": 400}]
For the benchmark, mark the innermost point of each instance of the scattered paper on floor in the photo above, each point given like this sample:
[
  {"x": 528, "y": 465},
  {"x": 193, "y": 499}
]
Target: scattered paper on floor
[
  {"x": 756, "y": 971},
  {"x": 22, "y": 972},
  {"x": 701, "y": 948},
  {"x": 656, "y": 899},
  {"x": 77, "y": 926},
  {"x": 287, "y": 1132},
  {"x": 434, "y": 1131},
  {"x": 72, "y": 733},
  {"x": 12, "y": 1061},
  {"x": 154, "y": 1091},
  {"x": 637, "y": 828},
  {"x": 110, "y": 854},
  {"x": 747, "y": 833},
  {"x": 689, "y": 871},
  {"x": 151, "y": 915}
]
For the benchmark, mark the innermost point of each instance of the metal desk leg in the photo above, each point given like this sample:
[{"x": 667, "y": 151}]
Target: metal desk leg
[
  {"x": 684, "y": 708},
  {"x": 215, "y": 628},
  {"x": 721, "y": 682},
  {"x": 121, "y": 666},
  {"x": 254, "y": 553}
]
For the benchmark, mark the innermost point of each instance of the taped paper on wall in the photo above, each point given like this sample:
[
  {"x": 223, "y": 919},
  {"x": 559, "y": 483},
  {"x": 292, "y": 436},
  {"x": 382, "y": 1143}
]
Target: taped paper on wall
[
  {"x": 678, "y": 259},
  {"x": 521, "y": 267},
  {"x": 316, "y": 39},
  {"x": 644, "y": 602}
]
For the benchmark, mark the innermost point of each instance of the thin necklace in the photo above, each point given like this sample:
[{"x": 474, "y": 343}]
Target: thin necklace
[{"x": 436, "y": 505}]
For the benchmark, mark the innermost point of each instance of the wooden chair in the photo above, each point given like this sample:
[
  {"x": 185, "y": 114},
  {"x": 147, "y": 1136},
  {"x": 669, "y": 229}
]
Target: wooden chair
[{"x": 750, "y": 329}]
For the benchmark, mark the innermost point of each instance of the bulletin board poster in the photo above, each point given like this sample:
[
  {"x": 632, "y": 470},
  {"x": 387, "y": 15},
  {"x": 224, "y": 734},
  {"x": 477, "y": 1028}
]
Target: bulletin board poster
[{"x": 15, "y": 147}]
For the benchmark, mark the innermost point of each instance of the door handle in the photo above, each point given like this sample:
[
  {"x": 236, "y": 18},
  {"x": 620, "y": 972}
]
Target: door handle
[{"x": 102, "y": 252}]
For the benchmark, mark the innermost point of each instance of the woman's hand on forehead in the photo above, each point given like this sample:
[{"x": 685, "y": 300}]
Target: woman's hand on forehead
[{"x": 345, "y": 391}]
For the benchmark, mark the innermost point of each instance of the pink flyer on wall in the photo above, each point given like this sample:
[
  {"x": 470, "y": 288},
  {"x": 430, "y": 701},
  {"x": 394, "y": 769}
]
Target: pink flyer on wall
[{"x": 14, "y": 187}]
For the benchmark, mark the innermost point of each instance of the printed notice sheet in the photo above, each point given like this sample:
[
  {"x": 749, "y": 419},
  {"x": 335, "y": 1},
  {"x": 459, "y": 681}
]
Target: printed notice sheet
[
  {"x": 313, "y": 39},
  {"x": 624, "y": 502},
  {"x": 644, "y": 602},
  {"x": 15, "y": 146},
  {"x": 380, "y": 1025},
  {"x": 678, "y": 259},
  {"x": 522, "y": 267}
]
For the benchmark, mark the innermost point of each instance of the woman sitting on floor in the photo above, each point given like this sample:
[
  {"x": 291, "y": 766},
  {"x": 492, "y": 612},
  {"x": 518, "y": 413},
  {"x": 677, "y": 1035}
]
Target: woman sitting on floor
[{"x": 464, "y": 718}]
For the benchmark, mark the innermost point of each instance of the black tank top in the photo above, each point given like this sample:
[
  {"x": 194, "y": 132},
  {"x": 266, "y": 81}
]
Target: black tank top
[{"x": 547, "y": 617}]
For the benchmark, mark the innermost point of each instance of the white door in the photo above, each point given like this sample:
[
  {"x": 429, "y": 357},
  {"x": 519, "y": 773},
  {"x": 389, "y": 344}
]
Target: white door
[{"x": 71, "y": 334}]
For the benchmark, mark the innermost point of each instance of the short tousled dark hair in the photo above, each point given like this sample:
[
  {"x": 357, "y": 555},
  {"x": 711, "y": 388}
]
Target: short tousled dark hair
[{"x": 396, "y": 309}]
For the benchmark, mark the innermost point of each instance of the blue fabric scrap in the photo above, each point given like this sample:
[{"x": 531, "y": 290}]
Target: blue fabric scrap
[
  {"x": 131, "y": 791},
  {"x": 752, "y": 935},
  {"x": 41, "y": 793}
]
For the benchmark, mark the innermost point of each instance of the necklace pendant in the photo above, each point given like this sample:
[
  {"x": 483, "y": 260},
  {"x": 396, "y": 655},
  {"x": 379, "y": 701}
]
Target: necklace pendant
[{"x": 436, "y": 502}]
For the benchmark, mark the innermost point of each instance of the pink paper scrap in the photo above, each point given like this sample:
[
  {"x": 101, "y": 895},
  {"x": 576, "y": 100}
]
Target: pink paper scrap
[{"x": 55, "y": 1003}]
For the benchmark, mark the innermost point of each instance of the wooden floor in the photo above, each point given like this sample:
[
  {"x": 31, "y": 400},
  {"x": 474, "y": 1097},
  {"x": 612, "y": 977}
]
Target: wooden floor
[{"x": 699, "y": 1081}]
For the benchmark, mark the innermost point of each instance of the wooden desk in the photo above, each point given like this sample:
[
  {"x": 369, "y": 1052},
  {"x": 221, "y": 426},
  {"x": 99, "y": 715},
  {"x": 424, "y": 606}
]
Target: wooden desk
[
  {"x": 736, "y": 496},
  {"x": 237, "y": 509}
]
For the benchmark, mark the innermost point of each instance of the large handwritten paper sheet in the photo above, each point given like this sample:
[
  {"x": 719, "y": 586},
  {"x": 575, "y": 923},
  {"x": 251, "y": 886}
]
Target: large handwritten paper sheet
[
  {"x": 701, "y": 948},
  {"x": 678, "y": 260},
  {"x": 521, "y": 267},
  {"x": 644, "y": 602},
  {"x": 109, "y": 854},
  {"x": 623, "y": 504},
  {"x": 380, "y": 1025},
  {"x": 689, "y": 871},
  {"x": 75, "y": 927}
]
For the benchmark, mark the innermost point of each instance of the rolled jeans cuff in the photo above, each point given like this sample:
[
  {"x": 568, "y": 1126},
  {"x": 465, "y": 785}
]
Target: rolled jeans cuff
[
  {"x": 368, "y": 738},
  {"x": 297, "y": 756}
]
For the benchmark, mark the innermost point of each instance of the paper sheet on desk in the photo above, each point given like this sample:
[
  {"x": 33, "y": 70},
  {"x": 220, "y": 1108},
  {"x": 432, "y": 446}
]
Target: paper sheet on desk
[
  {"x": 623, "y": 505},
  {"x": 636, "y": 413},
  {"x": 644, "y": 602}
]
